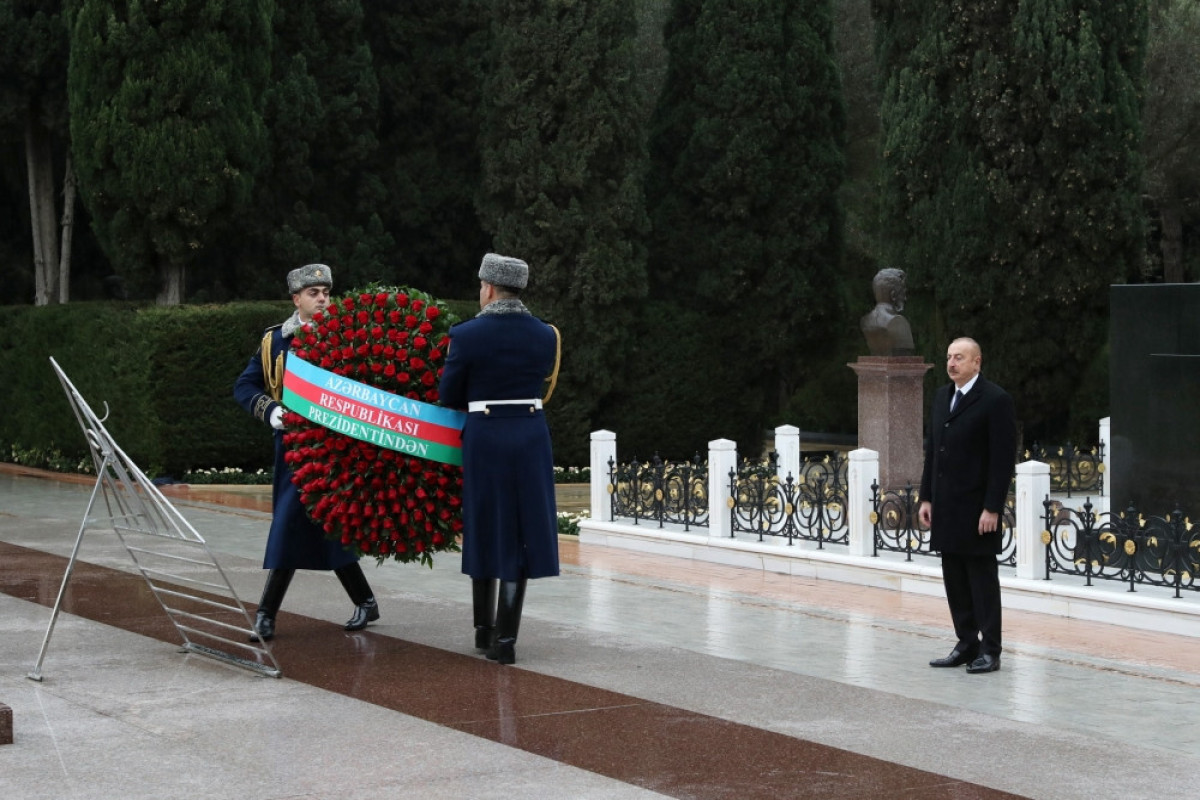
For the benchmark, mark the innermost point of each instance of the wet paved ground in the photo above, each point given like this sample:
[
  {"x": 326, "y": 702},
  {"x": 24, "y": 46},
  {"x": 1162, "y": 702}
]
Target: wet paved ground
[{"x": 637, "y": 676}]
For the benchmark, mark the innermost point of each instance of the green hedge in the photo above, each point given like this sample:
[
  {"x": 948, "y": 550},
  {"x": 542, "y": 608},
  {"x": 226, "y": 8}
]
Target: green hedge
[{"x": 165, "y": 375}]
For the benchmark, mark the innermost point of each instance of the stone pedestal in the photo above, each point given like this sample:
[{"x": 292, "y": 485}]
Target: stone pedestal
[{"x": 891, "y": 413}]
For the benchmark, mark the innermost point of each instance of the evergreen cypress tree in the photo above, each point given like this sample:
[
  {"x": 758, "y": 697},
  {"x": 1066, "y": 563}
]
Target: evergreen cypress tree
[
  {"x": 563, "y": 160},
  {"x": 746, "y": 161},
  {"x": 1011, "y": 180},
  {"x": 166, "y": 127},
  {"x": 33, "y": 110},
  {"x": 321, "y": 197},
  {"x": 428, "y": 56}
]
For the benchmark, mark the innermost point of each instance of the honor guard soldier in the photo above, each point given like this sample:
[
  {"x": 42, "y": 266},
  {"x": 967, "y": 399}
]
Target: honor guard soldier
[
  {"x": 295, "y": 541},
  {"x": 496, "y": 368}
]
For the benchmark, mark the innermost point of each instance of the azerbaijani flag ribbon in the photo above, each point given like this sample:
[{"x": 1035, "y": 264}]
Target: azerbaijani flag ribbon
[{"x": 373, "y": 415}]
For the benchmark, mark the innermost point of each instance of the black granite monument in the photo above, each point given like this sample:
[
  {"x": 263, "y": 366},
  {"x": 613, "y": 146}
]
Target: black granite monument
[{"x": 1154, "y": 391}]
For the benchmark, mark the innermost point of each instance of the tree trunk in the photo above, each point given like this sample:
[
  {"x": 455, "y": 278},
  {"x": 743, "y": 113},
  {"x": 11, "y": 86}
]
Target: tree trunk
[
  {"x": 170, "y": 292},
  {"x": 68, "y": 232},
  {"x": 1172, "y": 241},
  {"x": 39, "y": 163}
]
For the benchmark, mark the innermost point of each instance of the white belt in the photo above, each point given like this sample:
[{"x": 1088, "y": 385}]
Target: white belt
[{"x": 482, "y": 405}]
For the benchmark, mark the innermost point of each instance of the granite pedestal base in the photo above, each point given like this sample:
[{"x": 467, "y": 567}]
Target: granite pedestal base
[{"x": 891, "y": 413}]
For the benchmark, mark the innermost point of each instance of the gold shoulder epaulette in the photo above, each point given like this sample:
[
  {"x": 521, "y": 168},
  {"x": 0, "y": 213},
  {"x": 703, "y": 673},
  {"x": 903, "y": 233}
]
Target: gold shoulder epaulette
[
  {"x": 553, "y": 376},
  {"x": 272, "y": 371}
]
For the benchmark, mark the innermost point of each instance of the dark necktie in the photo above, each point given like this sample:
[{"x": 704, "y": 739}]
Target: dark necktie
[{"x": 954, "y": 400}]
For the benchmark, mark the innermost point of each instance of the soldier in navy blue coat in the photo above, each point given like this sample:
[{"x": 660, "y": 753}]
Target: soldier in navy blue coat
[
  {"x": 295, "y": 541},
  {"x": 969, "y": 458},
  {"x": 496, "y": 369}
]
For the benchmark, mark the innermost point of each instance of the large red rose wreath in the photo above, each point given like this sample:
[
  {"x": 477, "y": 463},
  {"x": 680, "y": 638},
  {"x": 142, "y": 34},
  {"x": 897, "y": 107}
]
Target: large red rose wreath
[{"x": 375, "y": 501}]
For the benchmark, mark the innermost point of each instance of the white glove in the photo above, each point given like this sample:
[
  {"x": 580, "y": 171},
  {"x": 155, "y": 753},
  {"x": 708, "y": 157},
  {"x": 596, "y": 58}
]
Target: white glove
[{"x": 277, "y": 418}]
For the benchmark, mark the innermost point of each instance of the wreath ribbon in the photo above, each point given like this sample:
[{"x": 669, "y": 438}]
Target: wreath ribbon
[{"x": 373, "y": 415}]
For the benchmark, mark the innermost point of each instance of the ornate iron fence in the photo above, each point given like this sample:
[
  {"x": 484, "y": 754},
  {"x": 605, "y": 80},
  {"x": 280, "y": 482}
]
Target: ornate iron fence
[
  {"x": 662, "y": 492},
  {"x": 1071, "y": 470},
  {"x": 811, "y": 507},
  {"x": 1122, "y": 546},
  {"x": 898, "y": 528}
]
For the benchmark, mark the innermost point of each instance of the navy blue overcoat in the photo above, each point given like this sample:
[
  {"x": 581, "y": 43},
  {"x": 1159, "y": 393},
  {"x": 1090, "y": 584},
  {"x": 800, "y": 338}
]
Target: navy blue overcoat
[
  {"x": 510, "y": 525},
  {"x": 295, "y": 541}
]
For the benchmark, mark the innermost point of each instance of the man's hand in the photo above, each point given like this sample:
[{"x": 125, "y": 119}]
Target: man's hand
[
  {"x": 925, "y": 513},
  {"x": 989, "y": 521},
  {"x": 277, "y": 418}
]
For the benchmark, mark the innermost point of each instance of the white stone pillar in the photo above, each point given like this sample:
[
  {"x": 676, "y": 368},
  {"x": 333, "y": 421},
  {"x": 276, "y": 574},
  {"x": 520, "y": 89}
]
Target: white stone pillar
[
  {"x": 604, "y": 448},
  {"x": 787, "y": 448},
  {"x": 861, "y": 471},
  {"x": 1033, "y": 485},
  {"x": 722, "y": 457}
]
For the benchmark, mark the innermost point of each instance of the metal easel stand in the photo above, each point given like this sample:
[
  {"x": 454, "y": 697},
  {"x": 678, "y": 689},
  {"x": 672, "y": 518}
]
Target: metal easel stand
[{"x": 171, "y": 556}]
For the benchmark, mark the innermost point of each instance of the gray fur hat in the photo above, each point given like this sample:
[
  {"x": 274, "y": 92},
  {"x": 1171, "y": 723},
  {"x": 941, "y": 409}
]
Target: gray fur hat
[
  {"x": 301, "y": 278},
  {"x": 504, "y": 271}
]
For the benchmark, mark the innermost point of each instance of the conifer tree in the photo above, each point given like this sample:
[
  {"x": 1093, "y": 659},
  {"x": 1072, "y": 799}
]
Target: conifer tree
[
  {"x": 33, "y": 106},
  {"x": 563, "y": 158},
  {"x": 320, "y": 199},
  {"x": 428, "y": 56},
  {"x": 1011, "y": 179},
  {"x": 746, "y": 161},
  {"x": 166, "y": 127}
]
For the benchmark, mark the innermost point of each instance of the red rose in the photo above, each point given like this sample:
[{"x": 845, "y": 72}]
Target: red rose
[{"x": 376, "y": 501}]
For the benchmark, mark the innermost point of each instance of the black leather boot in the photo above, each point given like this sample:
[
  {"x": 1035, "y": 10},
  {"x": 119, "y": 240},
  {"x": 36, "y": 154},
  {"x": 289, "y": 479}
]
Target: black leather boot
[
  {"x": 483, "y": 595},
  {"x": 268, "y": 606},
  {"x": 355, "y": 583},
  {"x": 508, "y": 621}
]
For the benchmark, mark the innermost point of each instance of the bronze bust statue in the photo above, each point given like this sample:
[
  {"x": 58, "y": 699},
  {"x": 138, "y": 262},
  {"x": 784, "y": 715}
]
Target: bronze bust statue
[{"x": 887, "y": 332}]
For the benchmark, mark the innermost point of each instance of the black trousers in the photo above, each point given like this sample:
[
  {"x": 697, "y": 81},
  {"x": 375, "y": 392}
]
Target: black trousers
[{"x": 973, "y": 594}]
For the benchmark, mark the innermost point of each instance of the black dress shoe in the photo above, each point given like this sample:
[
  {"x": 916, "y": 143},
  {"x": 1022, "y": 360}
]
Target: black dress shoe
[
  {"x": 363, "y": 613},
  {"x": 956, "y": 659},
  {"x": 984, "y": 663},
  {"x": 264, "y": 627}
]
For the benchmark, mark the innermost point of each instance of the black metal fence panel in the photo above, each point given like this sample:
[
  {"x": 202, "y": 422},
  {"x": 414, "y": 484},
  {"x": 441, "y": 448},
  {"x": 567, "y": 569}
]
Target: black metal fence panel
[
  {"x": 1124, "y": 546},
  {"x": 898, "y": 527},
  {"x": 1072, "y": 470},
  {"x": 811, "y": 507},
  {"x": 660, "y": 492}
]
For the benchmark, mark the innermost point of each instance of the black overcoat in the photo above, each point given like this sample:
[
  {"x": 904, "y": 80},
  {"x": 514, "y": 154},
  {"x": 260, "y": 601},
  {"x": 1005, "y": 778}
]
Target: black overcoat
[{"x": 969, "y": 458}]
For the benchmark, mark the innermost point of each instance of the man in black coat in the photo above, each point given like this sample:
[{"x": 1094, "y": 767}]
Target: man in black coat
[{"x": 969, "y": 458}]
